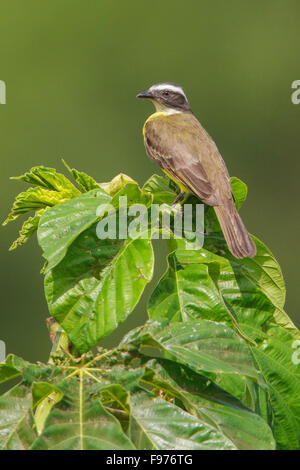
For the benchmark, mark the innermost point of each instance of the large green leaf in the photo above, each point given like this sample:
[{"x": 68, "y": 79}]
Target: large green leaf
[
  {"x": 254, "y": 289},
  {"x": 61, "y": 225},
  {"x": 80, "y": 422},
  {"x": 263, "y": 271},
  {"x": 203, "y": 398},
  {"x": 16, "y": 422},
  {"x": 274, "y": 356},
  {"x": 187, "y": 291},
  {"x": 97, "y": 285},
  {"x": 199, "y": 284},
  {"x": 159, "y": 424},
  {"x": 205, "y": 346}
]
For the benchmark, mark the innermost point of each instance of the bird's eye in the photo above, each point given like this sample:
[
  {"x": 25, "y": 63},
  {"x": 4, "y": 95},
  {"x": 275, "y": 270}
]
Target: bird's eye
[{"x": 166, "y": 93}]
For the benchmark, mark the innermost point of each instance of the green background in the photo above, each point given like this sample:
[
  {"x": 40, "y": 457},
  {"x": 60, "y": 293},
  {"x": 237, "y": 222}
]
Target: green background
[{"x": 72, "y": 70}]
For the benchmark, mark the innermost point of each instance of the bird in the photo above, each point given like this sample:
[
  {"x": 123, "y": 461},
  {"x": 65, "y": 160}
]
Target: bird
[{"x": 175, "y": 139}]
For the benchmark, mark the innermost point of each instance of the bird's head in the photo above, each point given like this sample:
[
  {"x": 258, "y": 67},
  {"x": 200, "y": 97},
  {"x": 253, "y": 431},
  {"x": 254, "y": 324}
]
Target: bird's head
[{"x": 167, "y": 97}]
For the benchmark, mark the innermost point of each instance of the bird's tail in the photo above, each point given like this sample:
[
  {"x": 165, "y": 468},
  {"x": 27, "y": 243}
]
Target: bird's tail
[{"x": 236, "y": 235}]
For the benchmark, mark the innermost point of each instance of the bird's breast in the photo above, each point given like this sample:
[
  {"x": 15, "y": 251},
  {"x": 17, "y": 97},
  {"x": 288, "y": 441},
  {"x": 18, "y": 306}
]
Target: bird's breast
[{"x": 156, "y": 115}]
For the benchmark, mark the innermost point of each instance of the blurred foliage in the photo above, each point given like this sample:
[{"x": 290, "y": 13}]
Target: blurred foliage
[{"x": 72, "y": 71}]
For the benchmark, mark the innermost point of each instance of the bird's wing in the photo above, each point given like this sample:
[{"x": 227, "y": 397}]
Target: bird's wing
[{"x": 180, "y": 145}]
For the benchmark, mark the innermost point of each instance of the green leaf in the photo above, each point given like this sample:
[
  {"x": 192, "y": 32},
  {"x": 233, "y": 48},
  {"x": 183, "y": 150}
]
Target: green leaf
[
  {"x": 263, "y": 269},
  {"x": 186, "y": 291},
  {"x": 42, "y": 390},
  {"x": 263, "y": 272},
  {"x": 30, "y": 372},
  {"x": 116, "y": 184},
  {"x": 240, "y": 190},
  {"x": 162, "y": 425},
  {"x": 28, "y": 229},
  {"x": 16, "y": 423},
  {"x": 127, "y": 377},
  {"x": 12, "y": 368},
  {"x": 34, "y": 199},
  {"x": 85, "y": 182},
  {"x": 44, "y": 397},
  {"x": 175, "y": 379},
  {"x": 48, "y": 178},
  {"x": 274, "y": 356},
  {"x": 80, "y": 422},
  {"x": 203, "y": 398},
  {"x": 97, "y": 285},
  {"x": 191, "y": 290},
  {"x": 116, "y": 400},
  {"x": 116, "y": 396},
  {"x": 159, "y": 187},
  {"x": 8, "y": 373},
  {"x": 51, "y": 188},
  {"x": 61, "y": 225},
  {"x": 205, "y": 346},
  {"x": 201, "y": 284}
]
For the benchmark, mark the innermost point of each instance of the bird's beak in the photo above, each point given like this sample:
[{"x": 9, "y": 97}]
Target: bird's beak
[{"x": 145, "y": 94}]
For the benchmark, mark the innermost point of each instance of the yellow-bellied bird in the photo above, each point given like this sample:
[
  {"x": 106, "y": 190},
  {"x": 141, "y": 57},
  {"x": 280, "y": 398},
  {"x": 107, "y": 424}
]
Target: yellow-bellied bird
[{"x": 175, "y": 139}]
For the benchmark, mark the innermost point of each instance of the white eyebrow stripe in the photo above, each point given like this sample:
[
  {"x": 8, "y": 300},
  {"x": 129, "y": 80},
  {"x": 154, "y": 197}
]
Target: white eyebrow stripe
[{"x": 166, "y": 86}]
